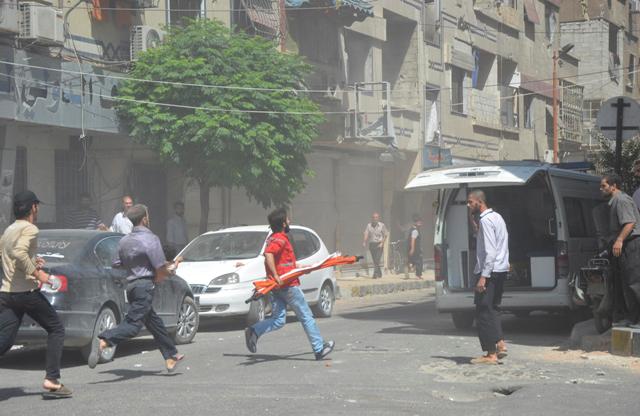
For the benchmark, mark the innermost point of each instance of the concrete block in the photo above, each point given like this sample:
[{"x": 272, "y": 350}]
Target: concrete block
[
  {"x": 584, "y": 336},
  {"x": 625, "y": 341}
]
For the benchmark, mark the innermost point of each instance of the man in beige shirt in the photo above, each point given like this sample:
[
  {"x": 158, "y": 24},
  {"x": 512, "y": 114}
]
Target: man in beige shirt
[{"x": 20, "y": 290}]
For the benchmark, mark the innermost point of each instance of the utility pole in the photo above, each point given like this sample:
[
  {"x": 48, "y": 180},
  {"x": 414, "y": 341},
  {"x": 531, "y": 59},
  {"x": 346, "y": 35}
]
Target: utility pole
[{"x": 282, "y": 26}]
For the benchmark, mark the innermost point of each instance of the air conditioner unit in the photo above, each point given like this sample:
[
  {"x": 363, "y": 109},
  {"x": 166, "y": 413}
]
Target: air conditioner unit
[
  {"x": 144, "y": 38},
  {"x": 9, "y": 16},
  {"x": 41, "y": 24}
]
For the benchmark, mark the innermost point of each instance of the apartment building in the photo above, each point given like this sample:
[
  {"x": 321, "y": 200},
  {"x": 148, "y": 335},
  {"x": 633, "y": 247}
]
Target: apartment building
[
  {"x": 605, "y": 35},
  {"x": 490, "y": 77}
]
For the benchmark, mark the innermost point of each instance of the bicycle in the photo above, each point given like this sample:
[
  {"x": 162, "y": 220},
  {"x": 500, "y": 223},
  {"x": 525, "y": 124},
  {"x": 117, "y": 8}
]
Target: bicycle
[{"x": 398, "y": 258}]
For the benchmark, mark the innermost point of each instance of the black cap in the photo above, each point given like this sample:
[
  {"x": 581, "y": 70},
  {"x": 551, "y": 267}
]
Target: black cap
[{"x": 25, "y": 198}]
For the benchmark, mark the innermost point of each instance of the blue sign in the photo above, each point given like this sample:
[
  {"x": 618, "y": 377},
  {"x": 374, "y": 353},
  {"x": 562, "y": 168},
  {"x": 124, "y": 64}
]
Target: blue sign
[{"x": 435, "y": 156}]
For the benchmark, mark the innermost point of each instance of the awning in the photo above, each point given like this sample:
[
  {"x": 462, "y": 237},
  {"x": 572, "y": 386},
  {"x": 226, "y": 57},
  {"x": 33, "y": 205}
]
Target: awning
[
  {"x": 533, "y": 84},
  {"x": 262, "y": 13},
  {"x": 360, "y": 6},
  {"x": 530, "y": 11}
]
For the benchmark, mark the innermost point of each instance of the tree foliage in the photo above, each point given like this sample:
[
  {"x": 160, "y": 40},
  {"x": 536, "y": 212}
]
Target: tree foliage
[
  {"x": 214, "y": 137},
  {"x": 604, "y": 161}
]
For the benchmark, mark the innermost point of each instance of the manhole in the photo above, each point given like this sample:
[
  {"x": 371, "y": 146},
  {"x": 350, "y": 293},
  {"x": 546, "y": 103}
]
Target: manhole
[{"x": 505, "y": 391}]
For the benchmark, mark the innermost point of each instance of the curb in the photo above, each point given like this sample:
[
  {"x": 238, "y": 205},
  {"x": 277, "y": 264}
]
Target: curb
[{"x": 381, "y": 288}]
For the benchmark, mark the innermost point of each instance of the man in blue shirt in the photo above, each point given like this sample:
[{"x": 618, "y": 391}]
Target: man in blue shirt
[
  {"x": 141, "y": 254},
  {"x": 492, "y": 266}
]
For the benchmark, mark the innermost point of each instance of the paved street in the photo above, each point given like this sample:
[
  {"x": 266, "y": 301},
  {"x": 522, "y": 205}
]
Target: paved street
[{"x": 394, "y": 356}]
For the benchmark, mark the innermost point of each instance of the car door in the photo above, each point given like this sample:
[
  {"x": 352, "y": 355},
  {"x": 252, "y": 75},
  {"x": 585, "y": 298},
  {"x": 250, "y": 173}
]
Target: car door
[
  {"x": 113, "y": 281},
  {"x": 307, "y": 250}
]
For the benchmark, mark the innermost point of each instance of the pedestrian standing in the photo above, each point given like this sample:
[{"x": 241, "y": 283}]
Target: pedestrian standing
[
  {"x": 120, "y": 223},
  {"x": 636, "y": 173},
  {"x": 375, "y": 235},
  {"x": 177, "y": 237},
  {"x": 492, "y": 266},
  {"x": 624, "y": 223},
  {"x": 20, "y": 290},
  {"x": 140, "y": 253},
  {"x": 280, "y": 259},
  {"x": 83, "y": 217},
  {"x": 414, "y": 244}
]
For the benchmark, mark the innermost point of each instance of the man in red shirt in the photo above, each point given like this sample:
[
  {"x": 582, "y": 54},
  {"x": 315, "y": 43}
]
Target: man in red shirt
[{"x": 279, "y": 259}]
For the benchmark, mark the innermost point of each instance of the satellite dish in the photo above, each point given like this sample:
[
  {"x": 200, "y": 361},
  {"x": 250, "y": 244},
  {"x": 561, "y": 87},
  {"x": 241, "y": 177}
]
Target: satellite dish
[{"x": 153, "y": 39}]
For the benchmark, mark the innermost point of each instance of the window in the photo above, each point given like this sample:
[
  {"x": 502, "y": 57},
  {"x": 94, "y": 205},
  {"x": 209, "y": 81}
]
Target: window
[
  {"x": 20, "y": 175},
  {"x": 528, "y": 111},
  {"x": 550, "y": 23},
  {"x": 180, "y": 9},
  {"x": 580, "y": 218},
  {"x": 432, "y": 22},
  {"x": 304, "y": 244},
  {"x": 106, "y": 251},
  {"x": 613, "y": 39},
  {"x": 457, "y": 90},
  {"x": 360, "y": 60},
  {"x": 70, "y": 176}
]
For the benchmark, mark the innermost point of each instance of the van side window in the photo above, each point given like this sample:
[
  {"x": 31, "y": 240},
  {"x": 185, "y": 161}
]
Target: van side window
[{"x": 579, "y": 218}]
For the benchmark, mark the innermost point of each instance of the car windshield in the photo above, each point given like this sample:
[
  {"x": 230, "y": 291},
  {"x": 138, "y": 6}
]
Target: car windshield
[
  {"x": 225, "y": 246},
  {"x": 59, "y": 247}
]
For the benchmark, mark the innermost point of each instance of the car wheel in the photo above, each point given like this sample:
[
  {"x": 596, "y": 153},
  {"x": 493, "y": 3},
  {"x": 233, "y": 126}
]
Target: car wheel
[
  {"x": 188, "y": 321},
  {"x": 462, "y": 320},
  {"x": 106, "y": 320},
  {"x": 326, "y": 300},
  {"x": 257, "y": 311}
]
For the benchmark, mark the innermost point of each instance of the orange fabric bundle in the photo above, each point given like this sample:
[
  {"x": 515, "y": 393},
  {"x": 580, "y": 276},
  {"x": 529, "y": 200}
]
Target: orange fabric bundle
[{"x": 263, "y": 287}]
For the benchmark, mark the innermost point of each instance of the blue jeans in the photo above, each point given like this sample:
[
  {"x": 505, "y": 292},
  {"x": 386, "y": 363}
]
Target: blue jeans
[{"x": 293, "y": 297}]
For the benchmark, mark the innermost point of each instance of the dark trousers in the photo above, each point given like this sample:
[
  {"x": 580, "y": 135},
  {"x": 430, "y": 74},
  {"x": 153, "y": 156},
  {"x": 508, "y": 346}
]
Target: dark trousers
[
  {"x": 376, "y": 256},
  {"x": 487, "y": 315},
  {"x": 417, "y": 262},
  {"x": 628, "y": 278},
  {"x": 140, "y": 296},
  {"x": 13, "y": 306}
]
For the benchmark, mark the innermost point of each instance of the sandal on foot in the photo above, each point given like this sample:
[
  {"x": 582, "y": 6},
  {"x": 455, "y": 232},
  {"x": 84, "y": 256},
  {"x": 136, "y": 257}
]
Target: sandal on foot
[
  {"x": 484, "y": 360},
  {"x": 61, "y": 392},
  {"x": 177, "y": 358}
]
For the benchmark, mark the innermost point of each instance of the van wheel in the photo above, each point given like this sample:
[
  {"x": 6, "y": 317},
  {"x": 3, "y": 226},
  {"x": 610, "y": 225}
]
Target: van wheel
[
  {"x": 602, "y": 322},
  {"x": 462, "y": 320}
]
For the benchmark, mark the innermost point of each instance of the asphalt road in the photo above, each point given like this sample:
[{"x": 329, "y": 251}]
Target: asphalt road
[{"x": 395, "y": 356}]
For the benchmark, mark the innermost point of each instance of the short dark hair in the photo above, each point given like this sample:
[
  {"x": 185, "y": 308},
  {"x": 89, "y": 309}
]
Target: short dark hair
[
  {"x": 416, "y": 217},
  {"x": 22, "y": 210},
  {"x": 136, "y": 213},
  {"x": 613, "y": 179},
  {"x": 178, "y": 204},
  {"x": 276, "y": 219}
]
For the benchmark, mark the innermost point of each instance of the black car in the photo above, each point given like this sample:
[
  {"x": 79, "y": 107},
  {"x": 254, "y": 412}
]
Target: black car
[{"x": 92, "y": 297}]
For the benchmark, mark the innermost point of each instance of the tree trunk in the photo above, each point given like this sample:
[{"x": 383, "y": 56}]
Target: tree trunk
[{"x": 204, "y": 206}]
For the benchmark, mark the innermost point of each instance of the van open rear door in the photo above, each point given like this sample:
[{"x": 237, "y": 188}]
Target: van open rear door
[
  {"x": 454, "y": 242},
  {"x": 473, "y": 176}
]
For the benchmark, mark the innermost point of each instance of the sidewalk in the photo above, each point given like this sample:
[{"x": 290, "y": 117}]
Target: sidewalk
[{"x": 352, "y": 286}]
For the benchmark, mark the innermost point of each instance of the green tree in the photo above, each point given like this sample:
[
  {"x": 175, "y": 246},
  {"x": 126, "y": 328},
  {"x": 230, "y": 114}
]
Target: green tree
[
  {"x": 604, "y": 160},
  {"x": 255, "y": 137}
]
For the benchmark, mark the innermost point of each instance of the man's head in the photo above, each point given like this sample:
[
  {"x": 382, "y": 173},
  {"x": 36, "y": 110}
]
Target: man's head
[
  {"x": 417, "y": 221},
  {"x": 375, "y": 218},
  {"x": 610, "y": 184},
  {"x": 138, "y": 215},
  {"x": 127, "y": 202},
  {"x": 477, "y": 201},
  {"x": 279, "y": 220},
  {"x": 25, "y": 206},
  {"x": 179, "y": 208},
  {"x": 84, "y": 201}
]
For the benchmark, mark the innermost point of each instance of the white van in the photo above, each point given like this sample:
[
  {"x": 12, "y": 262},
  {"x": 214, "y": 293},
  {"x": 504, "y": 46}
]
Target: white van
[{"x": 549, "y": 212}]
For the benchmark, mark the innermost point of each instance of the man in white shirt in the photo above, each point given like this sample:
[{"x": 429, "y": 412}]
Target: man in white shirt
[
  {"x": 492, "y": 266},
  {"x": 120, "y": 223},
  {"x": 374, "y": 235},
  {"x": 177, "y": 237}
]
